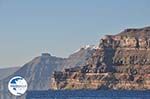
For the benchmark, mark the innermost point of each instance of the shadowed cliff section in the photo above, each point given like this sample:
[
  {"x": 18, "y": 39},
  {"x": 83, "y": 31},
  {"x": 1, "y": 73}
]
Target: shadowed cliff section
[
  {"x": 38, "y": 72},
  {"x": 79, "y": 57}
]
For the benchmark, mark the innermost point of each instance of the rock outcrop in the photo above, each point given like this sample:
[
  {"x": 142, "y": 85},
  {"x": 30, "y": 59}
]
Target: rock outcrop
[
  {"x": 38, "y": 71},
  {"x": 122, "y": 61},
  {"x": 79, "y": 57}
]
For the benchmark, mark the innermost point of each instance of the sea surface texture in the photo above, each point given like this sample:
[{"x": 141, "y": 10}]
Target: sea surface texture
[{"x": 88, "y": 94}]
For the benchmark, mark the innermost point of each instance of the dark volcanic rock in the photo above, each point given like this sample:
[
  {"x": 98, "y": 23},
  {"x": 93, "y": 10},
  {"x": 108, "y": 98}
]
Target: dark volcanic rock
[{"x": 121, "y": 62}]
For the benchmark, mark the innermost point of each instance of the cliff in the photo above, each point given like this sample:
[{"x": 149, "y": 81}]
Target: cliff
[
  {"x": 121, "y": 62},
  {"x": 38, "y": 71}
]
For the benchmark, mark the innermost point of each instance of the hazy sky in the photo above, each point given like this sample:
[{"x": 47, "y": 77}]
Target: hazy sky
[{"x": 29, "y": 27}]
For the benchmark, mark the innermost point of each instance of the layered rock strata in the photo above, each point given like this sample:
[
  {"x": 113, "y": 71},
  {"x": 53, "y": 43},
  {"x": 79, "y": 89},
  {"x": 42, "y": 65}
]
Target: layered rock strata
[{"x": 121, "y": 61}]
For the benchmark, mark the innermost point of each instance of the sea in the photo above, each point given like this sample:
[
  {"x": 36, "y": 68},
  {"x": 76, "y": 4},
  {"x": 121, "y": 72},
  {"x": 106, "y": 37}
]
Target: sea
[{"x": 88, "y": 94}]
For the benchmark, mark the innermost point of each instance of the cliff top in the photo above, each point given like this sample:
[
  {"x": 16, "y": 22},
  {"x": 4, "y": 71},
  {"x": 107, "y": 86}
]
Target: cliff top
[{"x": 136, "y": 32}]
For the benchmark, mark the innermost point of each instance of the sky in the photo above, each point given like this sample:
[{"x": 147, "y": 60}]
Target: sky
[{"x": 60, "y": 27}]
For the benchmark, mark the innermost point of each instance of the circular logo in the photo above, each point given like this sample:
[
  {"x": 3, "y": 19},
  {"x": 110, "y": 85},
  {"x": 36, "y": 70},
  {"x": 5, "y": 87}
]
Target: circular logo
[{"x": 17, "y": 86}]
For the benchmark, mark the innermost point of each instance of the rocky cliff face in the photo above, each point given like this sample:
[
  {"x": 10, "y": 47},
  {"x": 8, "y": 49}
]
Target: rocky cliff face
[
  {"x": 121, "y": 62},
  {"x": 80, "y": 57},
  {"x": 38, "y": 71}
]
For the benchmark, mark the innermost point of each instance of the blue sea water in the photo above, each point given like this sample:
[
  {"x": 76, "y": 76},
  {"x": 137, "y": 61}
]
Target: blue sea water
[{"x": 88, "y": 94}]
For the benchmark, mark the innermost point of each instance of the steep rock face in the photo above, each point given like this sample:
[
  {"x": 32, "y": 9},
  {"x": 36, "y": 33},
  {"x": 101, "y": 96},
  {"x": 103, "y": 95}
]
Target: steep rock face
[
  {"x": 121, "y": 62},
  {"x": 80, "y": 57},
  {"x": 37, "y": 73}
]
